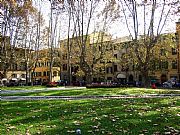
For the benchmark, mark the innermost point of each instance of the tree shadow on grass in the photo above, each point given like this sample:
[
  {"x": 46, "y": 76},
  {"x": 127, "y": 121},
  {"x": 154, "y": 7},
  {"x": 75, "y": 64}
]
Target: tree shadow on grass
[{"x": 122, "y": 116}]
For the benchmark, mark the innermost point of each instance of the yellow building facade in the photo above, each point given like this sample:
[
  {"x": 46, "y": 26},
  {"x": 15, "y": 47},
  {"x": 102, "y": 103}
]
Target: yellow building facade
[
  {"x": 70, "y": 70},
  {"x": 169, "y": 57},
  {"x": 12, "y": 65},
  {"x": 40, "y": 73},
  {"x": 167, "y": 66}
]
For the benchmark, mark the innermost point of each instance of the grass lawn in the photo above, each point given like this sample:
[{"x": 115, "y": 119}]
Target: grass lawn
[
  {"x": 93, "y": 117},
  {"x": 98, "y": 91},
  {"x": 22, "y": 87}
]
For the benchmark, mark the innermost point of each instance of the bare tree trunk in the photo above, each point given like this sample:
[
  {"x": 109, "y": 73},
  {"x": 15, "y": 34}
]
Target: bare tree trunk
[
  {"x": 52, "y": 36},
  {"x": 69, "y": 48}
]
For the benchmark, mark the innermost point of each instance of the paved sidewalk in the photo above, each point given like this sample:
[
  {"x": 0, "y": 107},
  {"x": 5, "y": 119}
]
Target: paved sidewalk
[{"x": 19, "y": 98}]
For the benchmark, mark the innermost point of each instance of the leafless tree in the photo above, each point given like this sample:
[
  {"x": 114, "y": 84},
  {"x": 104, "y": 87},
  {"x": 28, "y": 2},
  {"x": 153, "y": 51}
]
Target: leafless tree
[{"x": 145, "y": 21}]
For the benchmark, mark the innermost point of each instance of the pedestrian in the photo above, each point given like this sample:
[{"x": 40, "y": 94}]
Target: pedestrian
[{"x": 153, "y": 86}]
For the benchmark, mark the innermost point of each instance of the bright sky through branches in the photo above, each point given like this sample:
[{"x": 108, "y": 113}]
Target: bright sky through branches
[{"x": 117, "y": 28}]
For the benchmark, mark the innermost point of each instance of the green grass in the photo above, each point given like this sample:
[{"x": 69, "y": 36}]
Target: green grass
[
  {"x": 93, "y": 117},
  {"x": 22, "y": 87},
  {"x": 98, "y": 91}
]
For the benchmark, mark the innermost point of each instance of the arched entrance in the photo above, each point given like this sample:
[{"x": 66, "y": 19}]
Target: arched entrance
[
  {"x": 163, "y": 78},
  {"x": 131, "y": 79}
]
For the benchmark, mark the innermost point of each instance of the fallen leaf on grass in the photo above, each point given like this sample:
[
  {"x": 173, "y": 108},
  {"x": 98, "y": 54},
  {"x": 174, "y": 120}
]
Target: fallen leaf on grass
[
  {"x": 31, "y": 126},
  {"x": 70, "y": 131},
  {"x": 77, "y": 123},
  {"x": 27, "y": 132},
  {"x": 11, "y": 127}
]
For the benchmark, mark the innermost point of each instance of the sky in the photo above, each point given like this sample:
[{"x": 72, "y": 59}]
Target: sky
[{"x": 116, "y": 29}]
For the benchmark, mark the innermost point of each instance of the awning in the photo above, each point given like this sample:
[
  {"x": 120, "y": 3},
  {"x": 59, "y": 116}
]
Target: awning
[
  {"x": 14, "y": 79},
  {"x": 4, "y": 79},
  {"x": 121, "y": 76}
]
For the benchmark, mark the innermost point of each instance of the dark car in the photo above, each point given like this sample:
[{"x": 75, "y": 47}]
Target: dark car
[
  {"x": 61, "y": 82},
  {"x": 177, "y": 85},
  {"x": 12, "y": 83},
  {"x": 131, "y": 84}
]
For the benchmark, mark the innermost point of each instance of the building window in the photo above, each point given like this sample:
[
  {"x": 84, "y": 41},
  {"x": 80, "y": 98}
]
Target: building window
[
  {"x": 174, "y": 64},
  {"x": 38, "y": 74},
  {"x": 109, "y": 70},
  {"x": 64, "y": 67},
  {"x": 47, "y": 64},
  {"x": 164, "y": 65},
  {"x": 48, "y": 73},
  {"x": 44, "y": 73},
  {"x": 14, "y": 66},
  {"x": 99, "y": 48},
  {"x": 115, "y": 56},
  {"x": 42, "y": 64},
  {"x": 59, "y": 54},
  {"x": 65, "y": 57},
  {"x": 174, "y": 51},
  {"x": 23, "y": 75},
  {"x": 115, "y": 68},
  {"x": 38, "y": 64}
]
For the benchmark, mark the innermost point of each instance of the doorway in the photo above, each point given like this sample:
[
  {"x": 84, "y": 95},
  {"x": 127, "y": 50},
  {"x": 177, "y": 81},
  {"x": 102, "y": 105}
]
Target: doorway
[
  {"x": 163, "y": 78},
  {"x": 131, "y": 79}
]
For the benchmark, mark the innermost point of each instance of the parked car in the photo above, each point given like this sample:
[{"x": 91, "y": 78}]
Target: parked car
[
  {"x": 131, "y": 84},
  {"x": 12, "y": 83},
  {"x": 61, "y": 82},
  {"x": 52, "y": 84},
  {"x": 177, "y": 85},
  {"x": 170, "y": 83}
]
